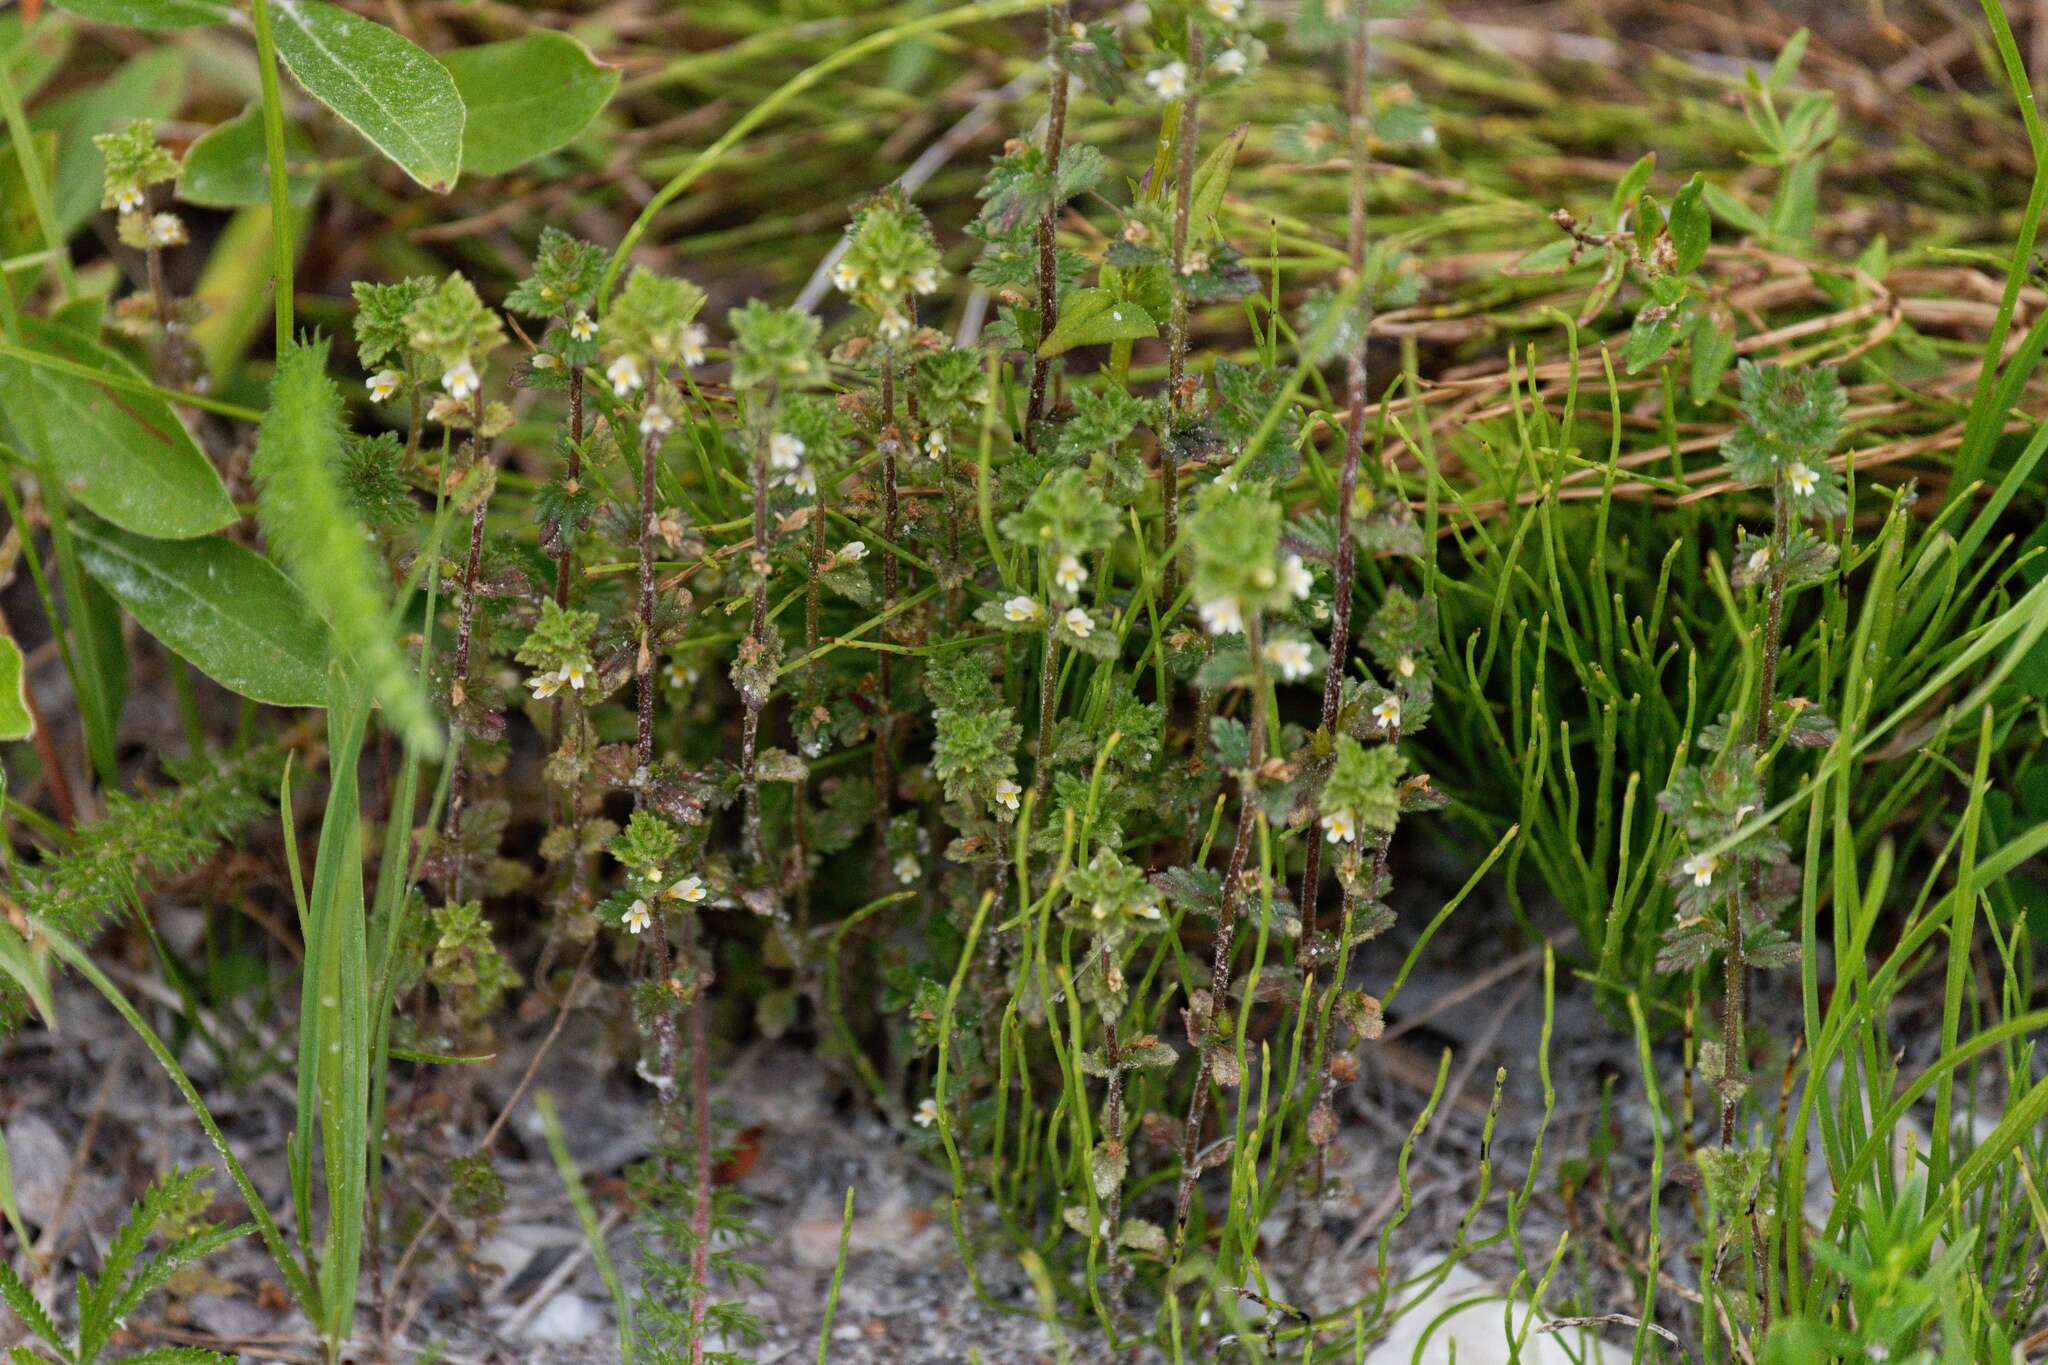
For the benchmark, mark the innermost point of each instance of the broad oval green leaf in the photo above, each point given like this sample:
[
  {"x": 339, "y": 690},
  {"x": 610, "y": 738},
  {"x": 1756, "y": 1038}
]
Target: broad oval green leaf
[
  {"x": 381, "y": 85},
  {"x": 15, "y": 720},
  {"x": 525, "y": 97},
  {"x": 221, "y": 607},
  {"x": 1092, "y": 317},
  {"x": 123, "y": 455},
  {"x": 228, "y": 166},
  {"x": 1692, "y": 227},
  {"x": 151, "y": 14}
]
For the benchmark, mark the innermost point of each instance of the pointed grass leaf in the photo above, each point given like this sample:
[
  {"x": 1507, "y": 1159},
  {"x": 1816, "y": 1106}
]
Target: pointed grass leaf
[
  {"x": 151, "y": 14},
  {"x": 526, "y": 97},
  {"x": 15, "y": 720},
  {"x": 221, "y": 607},
  {"x": 123, "y": 455},
  {"x": 382, "y": 85},
  {"x": 1093, "y": 317},
  {"x": 227, "y": 168},
  {"x": 312, "y": 528}
]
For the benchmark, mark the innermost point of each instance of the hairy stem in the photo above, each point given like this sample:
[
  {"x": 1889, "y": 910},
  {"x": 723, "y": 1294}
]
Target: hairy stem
[
  {"x": 458, "y": 688},
  {"x": 755, "y": 698},
  {"x": 1056, "y": 21},
  {"x": 1177, "y": 394}
]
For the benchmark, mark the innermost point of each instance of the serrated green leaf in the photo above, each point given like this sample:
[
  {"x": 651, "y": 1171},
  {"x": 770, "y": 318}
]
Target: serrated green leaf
[
  {"x": 382, "y": 85},
  {"x": 526, "y": 97},
  {"x": 1094, "y": 317},
  {"x": 222, "y": 607},
  {"x": 228, "y": 167},
  {"x": 151, "y": 14},
  {"x": 15, "y": 720},
  {"x": 124, "y": 456}
]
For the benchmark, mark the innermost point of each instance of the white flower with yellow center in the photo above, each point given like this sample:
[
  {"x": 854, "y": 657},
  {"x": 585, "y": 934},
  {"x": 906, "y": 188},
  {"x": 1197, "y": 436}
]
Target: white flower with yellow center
[
  {"x": 1147, "y": 910},
  {"x": 583, "y": 328},
  {"x": 1339, "y": 827},
  {"x": 695, "y": 339},
  {"x": 845, "y": 278},
  {"x": 1229, "y": 62},
  {"x": 1009, "y": 795},
  {"x": 935, "y": 444},
  {"x": 1387, "y": 715},
  {"x": 927, "y": 1112},
  {"x": 690, "y": 890},
  {"x": 546, "y": 684},
  {"x": 460, "y": 380},
  {"x": 1070, "y": 574},
  {"x": 805, "y": 481},
  {"x": 907, "y": 868},
  {"x": 1222, "y": 615},
  {"x": 1295, "y": 577},
  {"x": 576, "y": 674},
  {"x": 166, "y": 229},
  {"x": 924, "y": 280},
  {"x": 129, "y": 199},
  {"x": 1228, "y": 11},
  {"x": 1802, "y": 479},
  {"x": 655, "y": 421},
  {"x": 784, "y": 451},
  {"x": 1700, "y": 867},
  {"x": 383, "y": 384},
  {"x": 637, "y": 917},
  {"x": 623, "y": 374},
  {"x": 1169, "y": 82},
  {"x": 1291, "y": 657},
  {"x": 1080, "y": 622},
  {"x": 1020, "y": 609},
  {"x": 893, "y": 326},
  {"x": 678, "y": 674}
]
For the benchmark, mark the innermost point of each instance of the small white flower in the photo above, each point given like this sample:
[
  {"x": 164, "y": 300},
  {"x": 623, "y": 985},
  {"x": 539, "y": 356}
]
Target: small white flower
[
  {"x": 1339, "y": 828},
  {"x": 575, "y": 674},
  {"x": 935, "y": 444},
  {"x": 845, "y": 278},
  {"x": 1291, "y": 657},
  {"x": 924, "y": 280},
  {"x": 805, "y": 481},
  {"x": 1197, "y": 263},
  {"x": 1222, "y": 616},
  {"x": 1229, "y": 62},
  {"x": 689, "y": 890},
  {"x": 1802, "y": 479},
  {"x": 1760, "y": 559},
  {"x": 655, "y": 421},
  {"x": 546, "y": 684},
  {"x": 543, "y": 360},
  {"x": 1020, "y": 609},
  {"x": 623, "y": 374},
  {"x": 383, "y": 384},
  {"x": 1147, "y": 910},
  {"x": 1009, "y": 795},
  {"x": 887, "y": 282},
  {"x": 853, "y": 552},
  {"x": 907, "y": 868},
  {"x": 1070, "y": 574},
  {"x": 637, "y": 917},
  {"x": 893, "y": 326},
  {"x": 460, "y": 379},
  {"x": 784, "y": 451},
  {"x": 1080, "y": 622},
  {"x": 1700, "y": 867},
  {"x": 1169, "y": 82},
  {"x": 695, "y": 339},
  {"x": 927, "y": 1112},
  {"x": 129, "y": 199},
  {"x": 1227, "y": 10},
  {"x": 166, "y": 229},
  {"x": 678, "y": 674},
  {"x": 1405, "y": 665},
  {"x": 583, "y": 328},
  {"x": 1295, "y": 577},
  {"x": 1387, "y": 715}
]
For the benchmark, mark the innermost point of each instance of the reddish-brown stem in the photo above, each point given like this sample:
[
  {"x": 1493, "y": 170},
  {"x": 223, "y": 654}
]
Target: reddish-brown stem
[
  {"x": 458, "y": 688},
  {"x": 1189, "y": 135},
  {"x": 1048, "y": 258},
  {"x": 643, "y": 665},
  {"x": 700, "y": 1216}
]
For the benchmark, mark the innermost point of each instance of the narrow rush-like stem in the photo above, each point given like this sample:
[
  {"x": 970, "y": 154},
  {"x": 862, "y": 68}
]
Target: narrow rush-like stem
[
  {"x": 887, "y": 442},
  {"x": 1177, "y": 396},
  {"x": 754, "y": 698},
  {"x": 1112, "y": 1123},
  {"x": 1358, "y": 117},
  {"x": 562, "y": 554},
  {"x": 1048, "y": 258},
  {"x": 458, "y": 688},
  {"x": 700, "y": 1141},
  {"x": 1048, "y": 695},
  {"x": 643, "y": 665},
  {"x": 1226, "y": 924}
]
